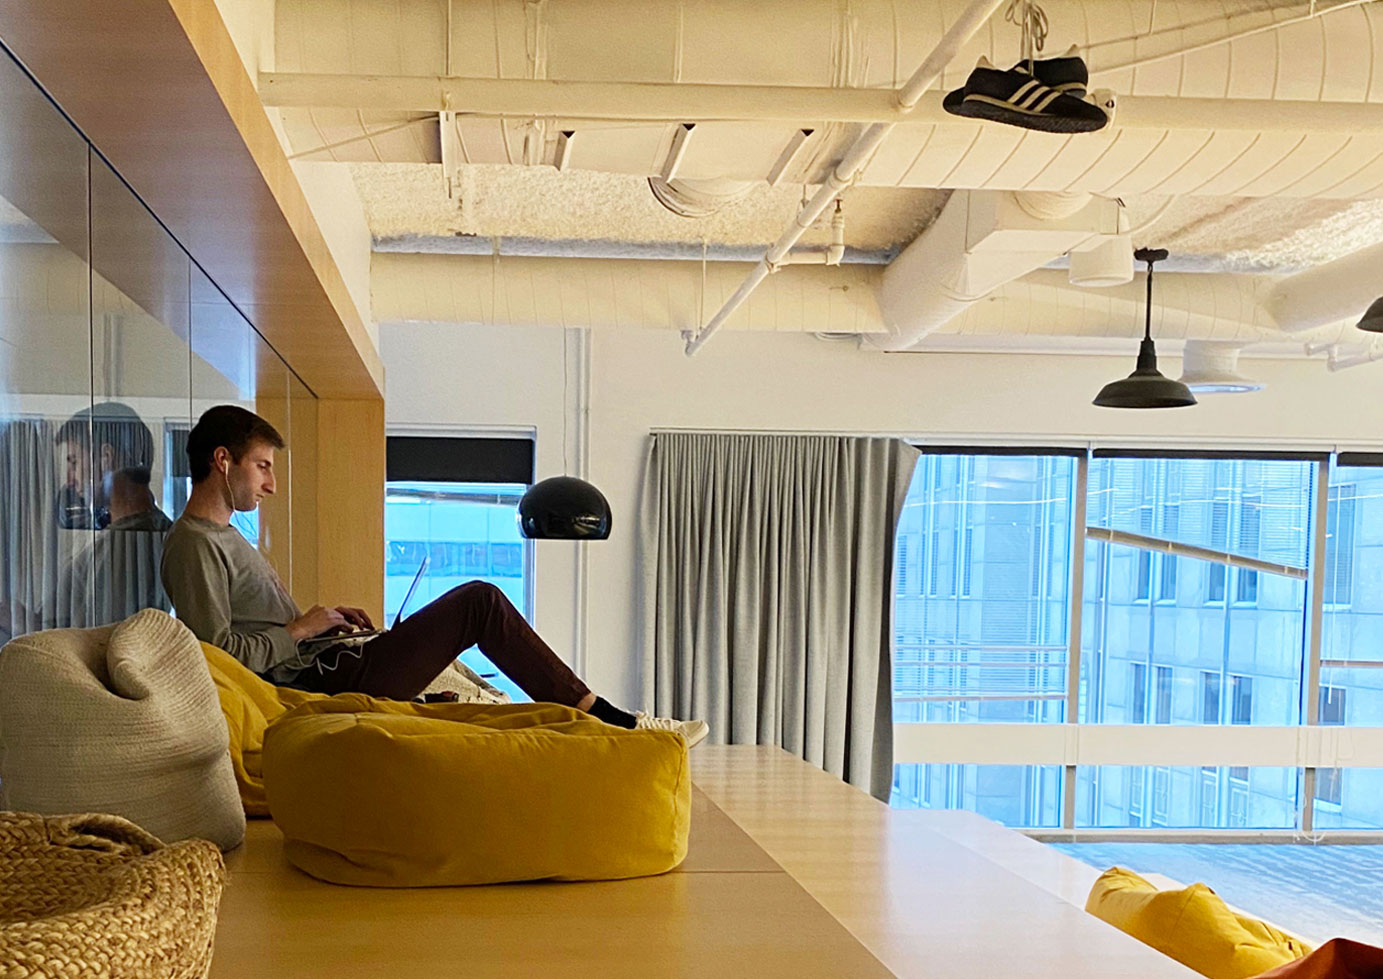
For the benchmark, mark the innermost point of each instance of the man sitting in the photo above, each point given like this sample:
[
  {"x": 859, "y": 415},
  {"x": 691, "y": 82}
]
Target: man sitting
[{"x": 230, "y": 597}]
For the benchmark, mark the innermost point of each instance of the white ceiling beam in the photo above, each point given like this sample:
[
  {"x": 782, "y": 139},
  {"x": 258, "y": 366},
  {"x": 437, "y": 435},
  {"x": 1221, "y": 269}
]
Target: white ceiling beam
[
  {"x": 685, "y": 103},
  {"x": 625, "y": 101},
  {"x": 452, "y": 153}
]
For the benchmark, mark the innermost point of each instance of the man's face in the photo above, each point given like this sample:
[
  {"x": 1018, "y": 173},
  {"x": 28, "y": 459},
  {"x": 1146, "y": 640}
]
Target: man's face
[
  {"x": 252, "y": 478},
  {"x": 76, "y": 463}
]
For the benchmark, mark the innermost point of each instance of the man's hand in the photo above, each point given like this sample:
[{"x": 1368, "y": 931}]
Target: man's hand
[
  {"x": 315, "y": 621},
  {"x": 356, "y": 616}
]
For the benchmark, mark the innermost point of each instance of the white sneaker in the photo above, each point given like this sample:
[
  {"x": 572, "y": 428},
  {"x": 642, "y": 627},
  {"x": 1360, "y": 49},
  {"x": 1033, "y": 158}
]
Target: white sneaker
[{"x": 693, "y": 732}]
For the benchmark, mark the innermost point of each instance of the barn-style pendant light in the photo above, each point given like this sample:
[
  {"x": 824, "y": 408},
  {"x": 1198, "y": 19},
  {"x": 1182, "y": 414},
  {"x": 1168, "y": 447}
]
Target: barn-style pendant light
[
  {"x": 1373, "y": 318},
  {"x": 1146, "y": 387},
  {"x": 564, "y": 507}
]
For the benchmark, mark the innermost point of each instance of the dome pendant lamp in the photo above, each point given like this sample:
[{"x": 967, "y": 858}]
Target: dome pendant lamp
[
  {"x": 1146, "y": 387},
  {"x": 564, "y": 507}
]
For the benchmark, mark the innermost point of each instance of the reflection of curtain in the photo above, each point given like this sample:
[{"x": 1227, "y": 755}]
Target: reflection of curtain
[
  {"x": 35, "y": 555},
  {"x": 767, "y": 592}
]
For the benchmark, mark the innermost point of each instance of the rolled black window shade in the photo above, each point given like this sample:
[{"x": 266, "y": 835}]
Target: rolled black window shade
[
  {"x": 177, "y": 462},
  {"x": 1209, "y": 454},
  {"x": 1359, "y": 459},
  {"x": 431, "y": 458},
  {"x": 1000, "y": 450}
]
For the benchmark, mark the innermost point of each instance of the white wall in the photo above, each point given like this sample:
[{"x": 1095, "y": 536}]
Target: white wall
[
  {"x": 745, "y": 381},
  {"x": 483, "y": 379}
]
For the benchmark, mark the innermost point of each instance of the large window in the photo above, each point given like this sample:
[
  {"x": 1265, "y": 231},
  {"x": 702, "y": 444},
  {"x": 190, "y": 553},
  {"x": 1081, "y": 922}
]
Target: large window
[
  {"x": 983, "y": 636},
  {"x": 1196, "y": 585},
  {"x": 1263, "y": 507},
  {"x": 1351, "y": 692},
  {"x": 452, "y": 503}
]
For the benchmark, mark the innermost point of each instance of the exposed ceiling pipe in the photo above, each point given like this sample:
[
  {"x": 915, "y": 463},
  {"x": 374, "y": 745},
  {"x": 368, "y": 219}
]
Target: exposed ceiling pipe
[
  {"x": 972, "y": 18},
  {"x": 828, "y": 255},
  {"x": 1337, "y": 360},
  {"x": 520, "y": 246},
  {"x": 1327, "y": 294}
]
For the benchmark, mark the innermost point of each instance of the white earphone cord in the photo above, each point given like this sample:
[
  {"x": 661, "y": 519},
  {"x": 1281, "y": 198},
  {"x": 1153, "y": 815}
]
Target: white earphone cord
[{"x": 297, "y": 662}]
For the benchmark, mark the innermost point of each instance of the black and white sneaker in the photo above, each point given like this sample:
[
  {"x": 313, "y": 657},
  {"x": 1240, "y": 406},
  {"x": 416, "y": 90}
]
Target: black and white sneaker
[
  {"x": 1067, "y": 74},
  {"x": 1019, "y": 98}
]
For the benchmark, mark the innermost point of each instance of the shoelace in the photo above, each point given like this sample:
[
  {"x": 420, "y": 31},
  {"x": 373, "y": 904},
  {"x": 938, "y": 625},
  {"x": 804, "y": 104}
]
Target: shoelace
[
  {"x": 658, "y": 723},
  {"x": 1033, "y": 20}
]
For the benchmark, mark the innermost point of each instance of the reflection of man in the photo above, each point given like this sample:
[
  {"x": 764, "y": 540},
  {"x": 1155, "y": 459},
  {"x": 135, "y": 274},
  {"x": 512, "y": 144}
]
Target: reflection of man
[
  {"x": 229, "y": 596},
  {"x": 110, "y": 449},
  {"x": 122, "y": 458}
]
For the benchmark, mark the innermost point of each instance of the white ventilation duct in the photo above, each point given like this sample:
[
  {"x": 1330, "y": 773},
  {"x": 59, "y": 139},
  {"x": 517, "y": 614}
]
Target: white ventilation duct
[
  {"x": 615, "y": 293},
  {"x": 1102, "y": 262},
  {"x": 1270, "y": 112},
  {"x": 1042, "y": 307},
  {"x": 1338, "y": 291},
  {"x": 698, "y": 198},
  {"x": 1212, "y": 367},
  {"x": 1189, "y": 306},
  {"x": 980, "y": 241}
]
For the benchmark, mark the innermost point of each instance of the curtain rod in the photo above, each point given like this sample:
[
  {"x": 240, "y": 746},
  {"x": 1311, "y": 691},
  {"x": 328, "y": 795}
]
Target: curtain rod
[{"x": 1062, "y": 440}]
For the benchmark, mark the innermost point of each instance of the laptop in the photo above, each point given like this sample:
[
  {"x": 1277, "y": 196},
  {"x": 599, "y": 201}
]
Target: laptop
[{"x": 356, "y": 638}]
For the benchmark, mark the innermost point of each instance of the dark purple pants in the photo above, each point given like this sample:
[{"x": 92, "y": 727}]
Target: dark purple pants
[{"x": 401, "y": 663}]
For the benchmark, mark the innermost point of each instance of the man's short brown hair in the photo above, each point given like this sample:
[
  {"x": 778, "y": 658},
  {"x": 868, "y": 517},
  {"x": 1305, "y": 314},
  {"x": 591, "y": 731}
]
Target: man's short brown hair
[{"x": 231, "y": 427}]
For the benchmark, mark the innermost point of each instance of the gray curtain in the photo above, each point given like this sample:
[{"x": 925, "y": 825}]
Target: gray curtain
[{"x": 767, "y": 565}]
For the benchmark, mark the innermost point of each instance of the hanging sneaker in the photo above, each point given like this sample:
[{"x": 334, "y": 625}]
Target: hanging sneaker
[
  {"x": 1019, "y": 99},
  {"x": 693, "y": 732},
  {"x": 1066, "y": 74}
]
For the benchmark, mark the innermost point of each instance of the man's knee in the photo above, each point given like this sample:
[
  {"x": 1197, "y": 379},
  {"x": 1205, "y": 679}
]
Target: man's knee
[{"x": 479, "y": 591}]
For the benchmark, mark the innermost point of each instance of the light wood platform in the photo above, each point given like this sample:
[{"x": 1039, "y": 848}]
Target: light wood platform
[{"x": 790, "y": 873}]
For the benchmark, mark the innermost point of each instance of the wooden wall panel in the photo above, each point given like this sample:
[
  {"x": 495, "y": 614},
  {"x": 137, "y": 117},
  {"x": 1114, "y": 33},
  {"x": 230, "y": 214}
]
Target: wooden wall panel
[
  {"x": 350, "y": 505},
  {"x": 303, "y": 488}
]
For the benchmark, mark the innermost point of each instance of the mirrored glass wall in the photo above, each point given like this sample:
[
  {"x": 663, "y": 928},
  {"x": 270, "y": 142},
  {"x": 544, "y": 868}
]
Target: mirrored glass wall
[{"x": 112, "y": 343}]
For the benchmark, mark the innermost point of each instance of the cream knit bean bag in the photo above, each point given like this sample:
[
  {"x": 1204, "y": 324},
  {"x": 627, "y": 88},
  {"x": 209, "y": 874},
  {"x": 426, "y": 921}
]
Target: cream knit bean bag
[{"x": 123, "y": 719}]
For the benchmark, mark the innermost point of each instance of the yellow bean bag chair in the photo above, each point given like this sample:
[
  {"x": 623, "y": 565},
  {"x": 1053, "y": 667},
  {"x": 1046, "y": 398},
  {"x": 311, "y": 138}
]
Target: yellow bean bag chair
[
  {"x": 389, "y": 794},
  {"x": 250, "y": 705},
  {"x": 1193, "y": 926}
]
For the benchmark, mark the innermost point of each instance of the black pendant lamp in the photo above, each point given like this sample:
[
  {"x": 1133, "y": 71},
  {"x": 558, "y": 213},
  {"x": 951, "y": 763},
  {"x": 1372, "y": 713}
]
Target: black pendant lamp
[
  {"x": 1373, "y": 319},
  {"x": 1146, "y": 387},
  {"x": 564, "y": 508}
]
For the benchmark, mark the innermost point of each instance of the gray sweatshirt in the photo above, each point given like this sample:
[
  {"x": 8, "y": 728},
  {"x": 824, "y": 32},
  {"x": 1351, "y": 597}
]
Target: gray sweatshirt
[{"x": 230, "y": 597}]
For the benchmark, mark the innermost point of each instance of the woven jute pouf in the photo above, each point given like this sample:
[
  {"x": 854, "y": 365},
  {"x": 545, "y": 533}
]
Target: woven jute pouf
[{"x": 96, "y": 897}]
